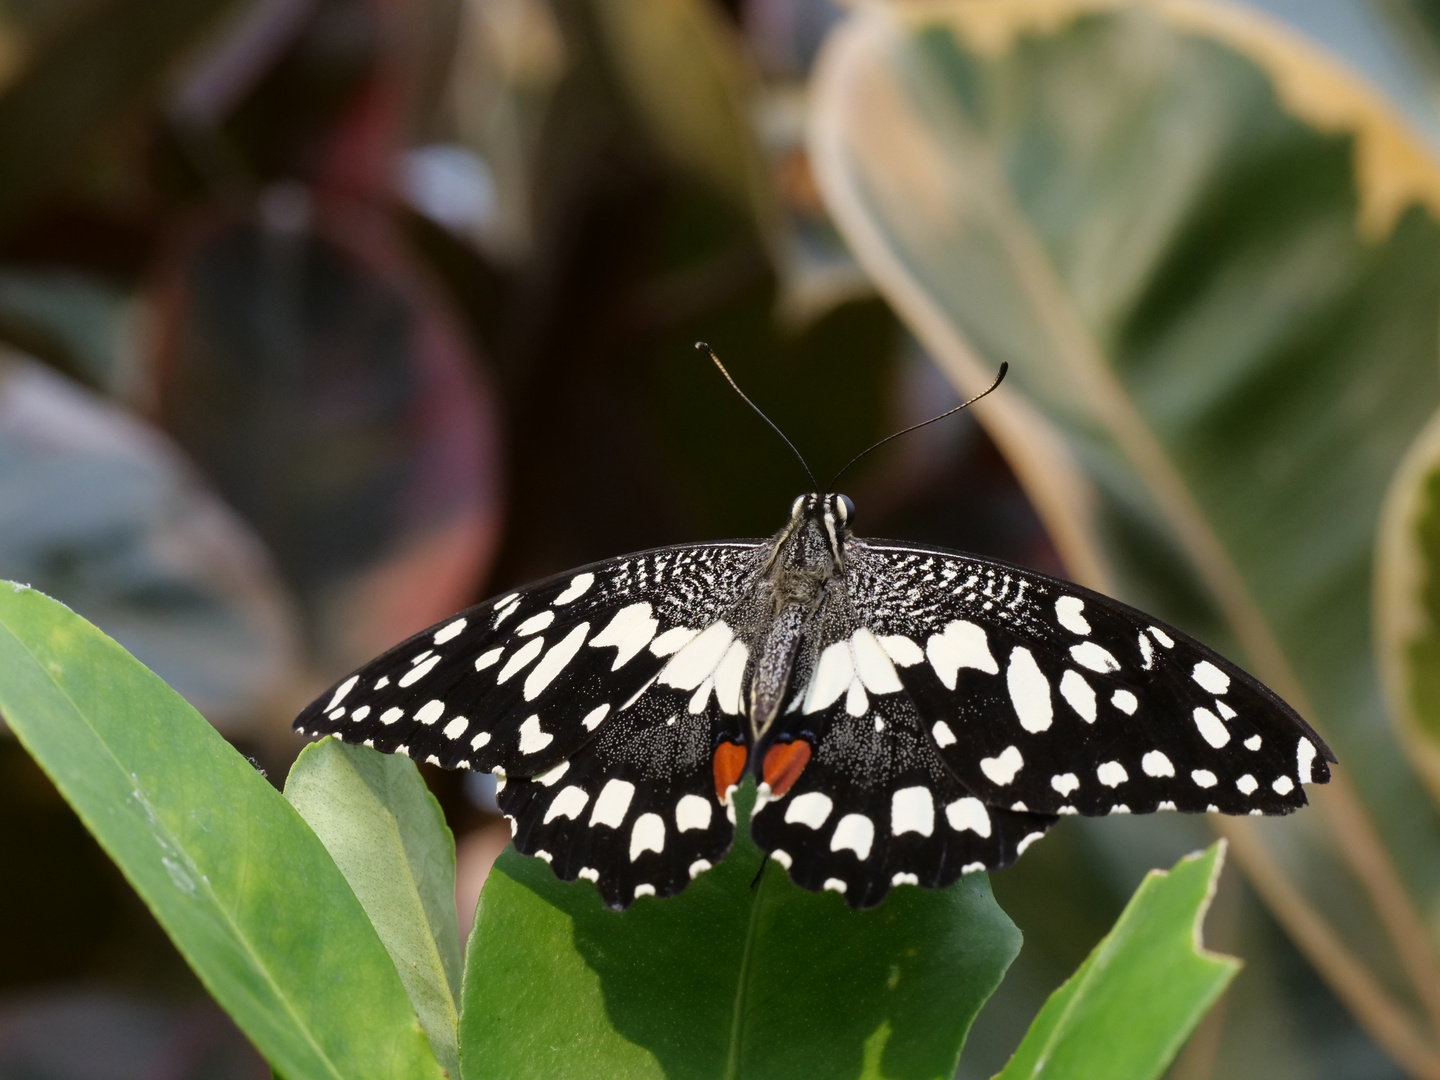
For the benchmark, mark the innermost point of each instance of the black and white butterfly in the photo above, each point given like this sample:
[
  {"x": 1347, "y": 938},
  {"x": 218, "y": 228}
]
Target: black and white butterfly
[{"x": 909, "y": 714}]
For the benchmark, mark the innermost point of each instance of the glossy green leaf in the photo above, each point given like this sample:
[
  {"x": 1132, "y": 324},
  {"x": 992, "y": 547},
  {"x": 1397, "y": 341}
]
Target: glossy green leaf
[
  {"x": 725, "y": 981},
  {"x": 1407, "y": 601},
  {"x": 1212, "y": 259},
  {"x": 243, "y": 888},
  {"x": 388, "y": 835},
  {"x": 1125, "y": 1013}
]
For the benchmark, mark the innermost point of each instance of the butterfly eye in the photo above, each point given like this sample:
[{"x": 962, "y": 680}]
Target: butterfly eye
[{"x": 845, "y": 507}]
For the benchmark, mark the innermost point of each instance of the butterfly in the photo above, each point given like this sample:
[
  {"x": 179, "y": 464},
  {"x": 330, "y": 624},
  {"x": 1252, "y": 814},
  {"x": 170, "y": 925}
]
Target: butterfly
[{"x": 909, "y": 714}]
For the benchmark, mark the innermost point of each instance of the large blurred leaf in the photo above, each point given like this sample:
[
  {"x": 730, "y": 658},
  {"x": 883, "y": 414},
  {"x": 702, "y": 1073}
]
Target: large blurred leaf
[
  {"x": 1212, "y": 260},
  {"x": 102, "y": 511},
  {"x": 1407, "y": 601},
  {"x": 387, "y": 834},
  {"x": 242, "y": 886},
  {"x": 1130, "y": 1006},
  {"x": 725, "y": 980}
]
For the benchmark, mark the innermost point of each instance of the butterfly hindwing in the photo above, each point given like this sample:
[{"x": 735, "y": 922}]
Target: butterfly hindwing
[
  {"x": 875, "y": 806},
  {"x": 634, "y": 810},
  {"x": 522, "y": 682},
  {"x": 1041, "y": 694}
]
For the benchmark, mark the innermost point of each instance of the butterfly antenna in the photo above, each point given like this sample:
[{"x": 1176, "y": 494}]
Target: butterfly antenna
[
  {"x": 999, "y": 378},
  {"x": 711, "y": 353}
]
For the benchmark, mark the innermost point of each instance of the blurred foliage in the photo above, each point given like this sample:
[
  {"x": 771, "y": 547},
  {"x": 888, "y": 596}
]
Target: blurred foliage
[{"x": 385, "y": 307}]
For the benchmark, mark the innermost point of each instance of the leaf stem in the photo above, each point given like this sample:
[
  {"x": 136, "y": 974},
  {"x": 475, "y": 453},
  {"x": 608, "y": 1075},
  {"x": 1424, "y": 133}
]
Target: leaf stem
[{"x": 742, "y": 992}]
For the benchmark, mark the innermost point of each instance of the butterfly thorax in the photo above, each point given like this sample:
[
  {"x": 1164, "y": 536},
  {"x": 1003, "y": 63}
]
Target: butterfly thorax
[{"x": 805, "y": 559}]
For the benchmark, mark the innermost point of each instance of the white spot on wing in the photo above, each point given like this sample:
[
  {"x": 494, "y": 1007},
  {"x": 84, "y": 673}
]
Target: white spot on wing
[
  {"x": 479, "y": 740},
  {"x": 613, "y": 803},
  {"x": 1147, "y": 653},
  {"x": 1125, "y": 701},
  {"x": 912, "y": 809},
  {"x": 698, "y": 660},
  {"x": 1065, "y": 783},
  {"x": 418, "y": 672},
  {"x": 1029, "y": 691},
  {"x": 594, "y": 716},
  {"x": 532, "y": 739},
  {"x": 1162, "y": 637},
  {"x": 1203, "y": 778},
  {"x": 648, "y": 834},
  {"x": 1210, "y": 677},
  {"x": 535, "y": 623},
  {"x": 629, "y": 631},
  {"x": 872, "y": 665},
  {"x": 698, "y": 867},
  {"x": 1283, "y": 785},
  {"x": 341, "y": 690},
  {"x": 856, "y": 833},
  {"x": 1211, "y": 728},
  {"x": 1001, "y": 770},
  {"x": 692, "y": 812},
  {"x": 781, "y": 856},
  {"x": 1025, "y": 843},
  {"x": 578, "y": 587},
  {"x": 942, "y": 734},
  {"x": 1079, "y": 693},
  {"x": 672, "y": 640},
  {"x": 487, "y": 659},
  {"x": 548, "y": 779},
  {"x": 1247, "y": 784},
  {"x": 901, "y": 650},
  {"x": 389, "y": 716},
  {"x": 811, "y": 808},
  {"x": 833, "y": 675},
  {"x": 643, "y": 890},
  {"x": 1069, "y": 614},
  {"x": 455, "y": 728},
  {"x": 1157, "y": 764},
  {"x": 728, "y": 676},
  {"x": 449, "y": 632},
  {"x": 1111, "y": 773},
  {"x": 554, "y": 661},
  {"x": 834, "y": 884},
  {"x": 568, "y": 804},
  {"x": 520, "y": 658},
  {"x": 962, "y": 645},
  {"x": 902, "y": 878},
  {"x": 1305, "y": 761},
  {"x": 1088, "y": 654},
  {"x": 855, "y": 700}
]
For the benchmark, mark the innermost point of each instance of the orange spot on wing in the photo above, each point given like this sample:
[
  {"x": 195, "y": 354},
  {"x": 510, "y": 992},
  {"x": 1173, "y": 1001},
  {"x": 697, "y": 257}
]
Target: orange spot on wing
[
  {"x": 729, "y": 763},
  {"x": 783, "y": 764}
]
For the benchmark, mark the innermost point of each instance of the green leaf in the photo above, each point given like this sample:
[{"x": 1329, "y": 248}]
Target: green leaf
[
  {"x": 243, "y": 888},
  {"x": 1212, "y": 259},
  {"x": 724, "y": 981},
  {"x": 387, "y": 834},
  {"x": 1128, "y": 1009},
  {"x": 1407, "y": 601}
]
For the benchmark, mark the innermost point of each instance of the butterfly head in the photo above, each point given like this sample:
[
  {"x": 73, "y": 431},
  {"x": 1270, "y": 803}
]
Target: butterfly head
[{"x": 825, "y": 519}]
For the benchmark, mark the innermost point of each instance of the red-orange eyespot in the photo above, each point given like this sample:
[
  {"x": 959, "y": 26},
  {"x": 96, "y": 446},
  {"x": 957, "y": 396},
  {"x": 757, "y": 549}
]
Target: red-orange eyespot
[
  {"x": 783, "y": 764},
  {"x": 729, "y": 763}
]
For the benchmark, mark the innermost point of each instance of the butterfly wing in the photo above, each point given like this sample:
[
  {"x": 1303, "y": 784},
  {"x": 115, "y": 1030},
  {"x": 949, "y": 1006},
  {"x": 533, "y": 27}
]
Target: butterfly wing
[
  {"x": 598, "y": 696},
  {"x": 522, "y": 682},
  {"x": 875, "y": 806},
  {"x": 1046, "y": 697}
]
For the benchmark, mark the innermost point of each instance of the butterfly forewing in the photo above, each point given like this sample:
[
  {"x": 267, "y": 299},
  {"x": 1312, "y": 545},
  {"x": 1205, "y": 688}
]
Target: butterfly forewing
[
  {"x": 1050, "y": 698},
  {"x": 522, "y": 682}
]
